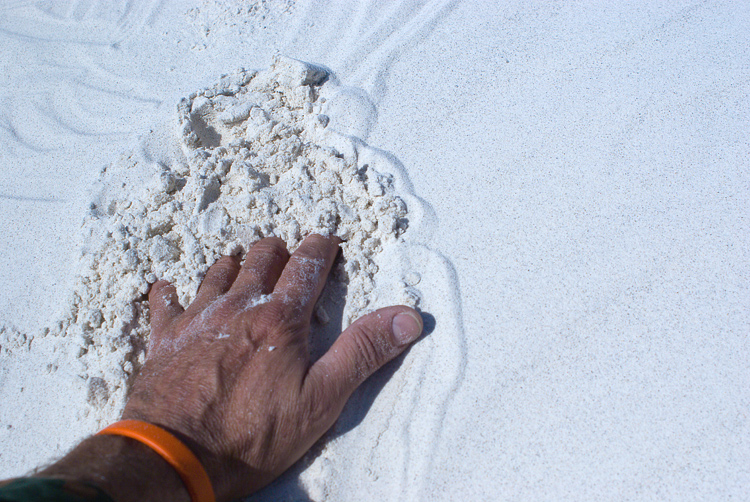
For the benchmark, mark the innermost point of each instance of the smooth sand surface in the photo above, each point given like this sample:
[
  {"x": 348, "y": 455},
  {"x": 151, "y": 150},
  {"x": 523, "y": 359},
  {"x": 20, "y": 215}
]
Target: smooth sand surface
[{"x": 583, "y": 245}]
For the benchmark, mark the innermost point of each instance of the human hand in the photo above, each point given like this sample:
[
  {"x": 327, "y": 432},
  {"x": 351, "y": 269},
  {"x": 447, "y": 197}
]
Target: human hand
[{"x": 231, "y": 375}]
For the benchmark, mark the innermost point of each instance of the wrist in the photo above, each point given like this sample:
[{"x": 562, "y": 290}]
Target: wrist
[
  {"x": 124, "y": 468},
  {"x": 229, "y": 476}
]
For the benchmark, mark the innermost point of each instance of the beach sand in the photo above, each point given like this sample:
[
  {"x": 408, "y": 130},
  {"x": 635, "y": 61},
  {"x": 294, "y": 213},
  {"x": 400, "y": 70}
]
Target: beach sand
[{"x": 576, "y": 178}]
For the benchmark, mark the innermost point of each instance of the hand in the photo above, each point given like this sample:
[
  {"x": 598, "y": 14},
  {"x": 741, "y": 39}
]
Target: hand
[{"x": 231, "y": 375}]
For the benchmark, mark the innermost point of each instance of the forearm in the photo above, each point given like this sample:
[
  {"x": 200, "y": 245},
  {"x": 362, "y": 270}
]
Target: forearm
[{"x": 124, "y": 468}]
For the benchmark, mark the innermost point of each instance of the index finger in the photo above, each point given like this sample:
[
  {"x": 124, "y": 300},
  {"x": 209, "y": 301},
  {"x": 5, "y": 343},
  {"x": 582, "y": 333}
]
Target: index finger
[{"x": 305, "y": 274}]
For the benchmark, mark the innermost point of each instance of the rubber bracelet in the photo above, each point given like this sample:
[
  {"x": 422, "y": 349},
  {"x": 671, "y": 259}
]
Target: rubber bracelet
[{"x": 173, "y": 451}]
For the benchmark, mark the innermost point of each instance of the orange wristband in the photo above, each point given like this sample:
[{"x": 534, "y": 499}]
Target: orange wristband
[{"x": 173, "y": 451}]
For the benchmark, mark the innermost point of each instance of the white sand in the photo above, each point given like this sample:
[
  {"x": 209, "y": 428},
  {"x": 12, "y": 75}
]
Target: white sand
[{"x": 584, "y": 247}]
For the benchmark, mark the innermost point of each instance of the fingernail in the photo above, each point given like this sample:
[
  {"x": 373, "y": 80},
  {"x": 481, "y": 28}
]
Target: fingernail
[{"x": 406, "y": 327}]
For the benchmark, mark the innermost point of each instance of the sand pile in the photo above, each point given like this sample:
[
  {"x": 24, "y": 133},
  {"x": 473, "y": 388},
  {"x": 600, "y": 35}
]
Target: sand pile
[{"x": 251, "y": 158}]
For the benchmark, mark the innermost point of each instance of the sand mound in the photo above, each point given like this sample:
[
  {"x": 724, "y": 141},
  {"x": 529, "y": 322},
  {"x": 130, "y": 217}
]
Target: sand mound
[
  {"x": 252, "y": 158},
  {"x": 256, "y": 154}
]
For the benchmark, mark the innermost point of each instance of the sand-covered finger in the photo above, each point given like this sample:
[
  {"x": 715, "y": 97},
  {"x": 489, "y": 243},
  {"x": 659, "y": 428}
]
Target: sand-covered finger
[
  {"x": 261, "y": 270},
  {"x": 305, "y": 275}
]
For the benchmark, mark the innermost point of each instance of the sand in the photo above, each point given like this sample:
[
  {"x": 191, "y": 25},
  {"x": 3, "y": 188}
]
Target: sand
[{"x": 580, "y": 236}]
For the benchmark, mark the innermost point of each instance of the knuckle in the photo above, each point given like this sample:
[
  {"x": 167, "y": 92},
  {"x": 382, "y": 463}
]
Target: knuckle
[
  {"x": 277, "y": 321},
  {"x": 372, "y": 351},
  {"x": 315, "y": 247},
  {"x": 273, "y": 247},
  {"x": 159, "y": 285},
  {"x": 225, "y": 263},
  {"x": 318, "y": 411},
  {"x": 159, "y": 290},
  {"x": 273, "y": 314},
  {"x": 266, "y": 254},
  {"x": 220, "y": 272}
]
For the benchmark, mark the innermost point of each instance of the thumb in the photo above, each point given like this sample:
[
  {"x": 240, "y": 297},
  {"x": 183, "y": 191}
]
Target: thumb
[{"x": 363, "y": 348}]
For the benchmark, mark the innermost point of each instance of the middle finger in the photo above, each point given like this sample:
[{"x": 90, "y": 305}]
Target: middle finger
[{"x": 305, "y": 275}]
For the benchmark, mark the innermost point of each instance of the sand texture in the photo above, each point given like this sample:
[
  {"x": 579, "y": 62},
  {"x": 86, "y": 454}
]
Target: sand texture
[{"x": 563, "y": 189}]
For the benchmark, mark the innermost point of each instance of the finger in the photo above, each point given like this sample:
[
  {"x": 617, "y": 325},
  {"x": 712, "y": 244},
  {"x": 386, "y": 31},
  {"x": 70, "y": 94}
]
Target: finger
[
  {"x": 218, "y": 281},
  {"x": 364, "y": 347},
  {"x": 164, "y": 307},
  {"x": 305, "y": 274},
  {"x": 261, "y": 270}
]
